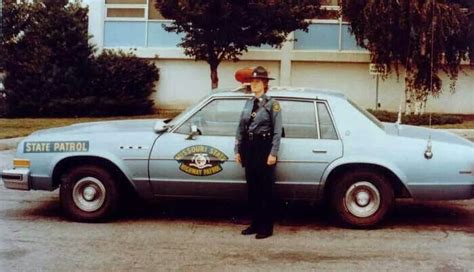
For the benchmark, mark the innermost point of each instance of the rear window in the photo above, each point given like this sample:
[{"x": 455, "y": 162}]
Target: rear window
[{"x": 367, "y": 114}]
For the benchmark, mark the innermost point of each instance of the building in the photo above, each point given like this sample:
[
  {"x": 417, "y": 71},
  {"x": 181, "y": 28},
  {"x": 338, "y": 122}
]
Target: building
[{"x": 326, "y": 57}]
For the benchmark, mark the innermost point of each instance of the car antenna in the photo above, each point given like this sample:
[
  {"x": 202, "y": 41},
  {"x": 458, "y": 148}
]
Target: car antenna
[
  {"x": 432, "y": 52},
  {"x": 428, "y": 152},
  {"x": 399, "y": 118}
]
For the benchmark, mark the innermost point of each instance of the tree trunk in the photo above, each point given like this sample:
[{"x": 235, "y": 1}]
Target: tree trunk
[{"x": 214, "y": 77}]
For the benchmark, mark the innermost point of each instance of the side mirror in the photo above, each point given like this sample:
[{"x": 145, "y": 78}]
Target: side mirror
[
  {"x": 160, "y": 126},
  {"x": 194, "y": 131}
]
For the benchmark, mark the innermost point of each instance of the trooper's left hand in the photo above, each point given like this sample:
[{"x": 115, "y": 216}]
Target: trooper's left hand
[{"x": 271, "y": 160}]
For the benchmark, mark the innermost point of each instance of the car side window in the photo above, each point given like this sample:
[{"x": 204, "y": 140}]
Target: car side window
[
  {"x": 299, "y": 119},
  {"x": 220, "y": 117},
  {"x": 326, "y": 125}
]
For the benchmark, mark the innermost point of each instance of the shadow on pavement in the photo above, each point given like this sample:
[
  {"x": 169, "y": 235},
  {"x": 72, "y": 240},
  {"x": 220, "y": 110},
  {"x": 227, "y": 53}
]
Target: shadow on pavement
[{"x": 452, "y": 215}]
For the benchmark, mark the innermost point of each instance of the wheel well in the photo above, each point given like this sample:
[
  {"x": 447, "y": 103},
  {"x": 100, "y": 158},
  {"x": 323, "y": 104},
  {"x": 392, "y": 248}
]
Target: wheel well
[
  {"x": 399, "y": 188},
  {"x": 64, "y": 165}
]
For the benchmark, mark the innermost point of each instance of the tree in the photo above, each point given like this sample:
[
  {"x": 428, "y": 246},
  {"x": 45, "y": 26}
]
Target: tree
[
  {"x": 217, "y": 30},
  {"x": 51, "y": 69},
  {"x": 46, "y": 55},
  {"x": 425, "y": 37}
]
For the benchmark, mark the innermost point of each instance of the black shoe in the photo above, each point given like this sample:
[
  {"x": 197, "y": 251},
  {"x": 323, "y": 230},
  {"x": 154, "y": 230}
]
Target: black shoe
[
  {"x": 249, "y": 230},
  {"x": 263, "y": 235}
]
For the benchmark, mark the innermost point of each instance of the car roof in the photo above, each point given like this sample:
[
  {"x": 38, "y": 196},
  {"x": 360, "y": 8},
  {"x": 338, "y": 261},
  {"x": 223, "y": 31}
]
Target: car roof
[{"x": 292, "y": 92}]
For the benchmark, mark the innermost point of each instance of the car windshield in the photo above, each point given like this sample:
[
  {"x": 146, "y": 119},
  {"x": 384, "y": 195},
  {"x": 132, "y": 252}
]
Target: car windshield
[
  {"x": 367, "y": 114},
  {"x": 173, "y": 121}
]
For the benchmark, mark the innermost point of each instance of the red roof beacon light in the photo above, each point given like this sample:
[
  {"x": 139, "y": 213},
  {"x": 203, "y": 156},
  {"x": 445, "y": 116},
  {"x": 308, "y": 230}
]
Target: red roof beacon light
[{"x": 243, "y": 75}]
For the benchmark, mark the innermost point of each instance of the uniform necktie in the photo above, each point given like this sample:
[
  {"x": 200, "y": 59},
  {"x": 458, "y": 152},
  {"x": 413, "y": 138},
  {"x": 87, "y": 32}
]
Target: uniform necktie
[{"x": 255, "y": 108}]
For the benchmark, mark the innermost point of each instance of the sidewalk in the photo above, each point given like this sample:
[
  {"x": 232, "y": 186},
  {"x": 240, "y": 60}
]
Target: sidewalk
[{"x": 6, "y": 144}]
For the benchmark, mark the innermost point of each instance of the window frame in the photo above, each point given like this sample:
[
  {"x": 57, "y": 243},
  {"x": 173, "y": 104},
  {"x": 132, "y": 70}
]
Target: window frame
[
  {"x": 331, "y": 117},
  {"x": 198, "y": 108},
  {"x": 126, "y": 6},
  {"x": 206, "y": 102},
  {"x": 282, "y": 99}
]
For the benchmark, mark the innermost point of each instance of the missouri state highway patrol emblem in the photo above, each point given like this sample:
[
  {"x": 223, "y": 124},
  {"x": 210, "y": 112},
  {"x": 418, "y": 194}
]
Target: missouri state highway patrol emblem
[
  {"x": 276, "y": 106},
  {"x": 201, "y": 160}
]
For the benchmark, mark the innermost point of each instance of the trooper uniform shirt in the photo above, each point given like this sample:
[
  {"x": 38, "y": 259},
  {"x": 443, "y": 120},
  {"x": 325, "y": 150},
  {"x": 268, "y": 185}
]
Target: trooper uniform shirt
[{"x": 266, "y": 121}]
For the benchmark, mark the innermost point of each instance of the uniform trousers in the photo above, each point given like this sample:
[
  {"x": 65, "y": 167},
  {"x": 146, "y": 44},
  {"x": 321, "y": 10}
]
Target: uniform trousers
[{"x": 260, "y": 181}]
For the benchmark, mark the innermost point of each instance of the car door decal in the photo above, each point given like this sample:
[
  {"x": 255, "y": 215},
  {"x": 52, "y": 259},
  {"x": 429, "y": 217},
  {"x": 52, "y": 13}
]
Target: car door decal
[
  {"x": 200, "y": 160},
  {"x": 56, "y": 146}
]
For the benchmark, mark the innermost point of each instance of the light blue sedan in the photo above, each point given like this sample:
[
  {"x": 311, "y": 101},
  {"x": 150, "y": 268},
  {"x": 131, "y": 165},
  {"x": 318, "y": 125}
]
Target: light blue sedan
[{"x": 331, "y": 150}]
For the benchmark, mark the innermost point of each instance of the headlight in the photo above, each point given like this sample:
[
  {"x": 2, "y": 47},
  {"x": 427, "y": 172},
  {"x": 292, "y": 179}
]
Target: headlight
[{"x": 21, "y": 163}]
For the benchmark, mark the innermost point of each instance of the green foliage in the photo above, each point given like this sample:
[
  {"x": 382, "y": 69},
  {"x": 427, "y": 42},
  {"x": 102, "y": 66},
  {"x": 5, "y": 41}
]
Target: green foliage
[
  {"x": 418, "y": 120},
  {"x": 220, "y": 30},
  {"x": 46, "y": 55},
  {"x": 400, "y": 32},
  {"x": 51, "y": 69},
  {"x": 122, "y": 84}
]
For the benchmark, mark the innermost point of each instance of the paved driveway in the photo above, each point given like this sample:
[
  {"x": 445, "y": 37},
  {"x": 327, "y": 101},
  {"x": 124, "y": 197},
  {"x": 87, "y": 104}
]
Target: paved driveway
[{"x": 205, "y": 236}]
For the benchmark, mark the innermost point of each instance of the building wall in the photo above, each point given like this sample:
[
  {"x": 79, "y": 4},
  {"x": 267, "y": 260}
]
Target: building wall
[
  {"x": 354, "y": 80},
  {"x": 326, "y": 57},
  {"x": 183, "y": 82}
]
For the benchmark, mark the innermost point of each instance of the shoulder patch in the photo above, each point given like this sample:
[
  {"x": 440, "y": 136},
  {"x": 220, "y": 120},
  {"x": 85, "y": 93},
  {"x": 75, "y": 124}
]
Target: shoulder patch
[{"x": 276, "y": 106}]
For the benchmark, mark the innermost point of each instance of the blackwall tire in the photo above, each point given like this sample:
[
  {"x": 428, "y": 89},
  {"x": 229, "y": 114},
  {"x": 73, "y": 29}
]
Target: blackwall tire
[
  {"x": 89, "y": 193},
  {"x": 362, "y": 199}
]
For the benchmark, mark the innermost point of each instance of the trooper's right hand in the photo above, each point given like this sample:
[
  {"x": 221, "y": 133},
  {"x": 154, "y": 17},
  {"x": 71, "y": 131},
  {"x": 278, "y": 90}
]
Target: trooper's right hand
[{"x": 238, "y": 159}]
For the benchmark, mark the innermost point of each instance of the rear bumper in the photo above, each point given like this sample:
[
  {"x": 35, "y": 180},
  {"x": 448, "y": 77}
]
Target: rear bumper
[{"x": 16, "y": 179}]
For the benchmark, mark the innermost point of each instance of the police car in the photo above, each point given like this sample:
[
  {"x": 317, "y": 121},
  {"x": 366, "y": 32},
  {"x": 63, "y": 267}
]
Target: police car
[{"x": 331, "y": 150}]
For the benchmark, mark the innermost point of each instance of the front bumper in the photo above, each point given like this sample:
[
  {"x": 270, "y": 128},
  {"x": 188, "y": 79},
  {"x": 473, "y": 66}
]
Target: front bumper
[{"x": 16, "y": 179}]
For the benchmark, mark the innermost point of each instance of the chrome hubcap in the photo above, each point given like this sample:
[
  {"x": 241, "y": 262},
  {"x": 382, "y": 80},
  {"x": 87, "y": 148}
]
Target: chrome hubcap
[
  {"x": 89, "y": 194},
  {"x": 362, "y": 199}
]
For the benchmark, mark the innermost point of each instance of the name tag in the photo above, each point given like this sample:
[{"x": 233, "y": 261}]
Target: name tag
[{"x": 51, "y": 147}]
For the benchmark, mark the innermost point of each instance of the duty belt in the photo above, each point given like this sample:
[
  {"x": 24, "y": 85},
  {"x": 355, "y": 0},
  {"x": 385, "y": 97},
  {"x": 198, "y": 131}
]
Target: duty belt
[{"x": 258, "y": 136}]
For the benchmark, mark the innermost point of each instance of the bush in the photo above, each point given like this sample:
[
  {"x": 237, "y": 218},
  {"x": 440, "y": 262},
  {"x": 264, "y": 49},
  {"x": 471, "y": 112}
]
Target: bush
[
  {"x": 418, "y": 120},
  {"x": 123, "y": 83},
  {"x": 51, "y": 69}
]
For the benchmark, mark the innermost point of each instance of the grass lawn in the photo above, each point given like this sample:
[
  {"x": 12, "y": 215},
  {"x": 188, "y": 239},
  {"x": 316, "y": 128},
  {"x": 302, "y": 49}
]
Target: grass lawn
[
  {"x": 19, "y": 127},
  {"x": 465, "y": 125}
]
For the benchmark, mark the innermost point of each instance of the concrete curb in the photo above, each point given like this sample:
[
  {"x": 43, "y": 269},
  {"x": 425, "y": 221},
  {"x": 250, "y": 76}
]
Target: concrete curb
[{"x": 11, "y": 143}]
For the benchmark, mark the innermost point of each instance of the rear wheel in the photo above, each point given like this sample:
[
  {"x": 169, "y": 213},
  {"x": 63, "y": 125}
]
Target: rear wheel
[
  {"x": 362, "y": 199},
  {"x": 89, "y": 193}
]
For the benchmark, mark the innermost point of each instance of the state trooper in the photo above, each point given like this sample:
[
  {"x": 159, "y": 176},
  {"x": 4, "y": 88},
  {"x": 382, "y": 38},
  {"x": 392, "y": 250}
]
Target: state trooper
[{"x": 256, "y": 148}]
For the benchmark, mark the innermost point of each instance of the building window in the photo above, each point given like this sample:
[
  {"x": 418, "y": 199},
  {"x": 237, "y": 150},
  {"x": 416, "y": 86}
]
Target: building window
[
  {"x": 326, "y": 35},
  {"x": 328, "y": 4},
  {"x": 137, "y": 23},
  {"x": 125, "y": 13},
  {"x": 153, "y": 13}
]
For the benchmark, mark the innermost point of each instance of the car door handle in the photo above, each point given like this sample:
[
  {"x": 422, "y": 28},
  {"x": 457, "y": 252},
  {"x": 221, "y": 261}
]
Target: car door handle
[{"x": 317, "y": 151}]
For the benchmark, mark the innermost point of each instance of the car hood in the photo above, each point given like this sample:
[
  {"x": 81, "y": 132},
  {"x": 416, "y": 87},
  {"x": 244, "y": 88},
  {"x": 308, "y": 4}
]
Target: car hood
[
  {"x": 138, "y": 125},
  {"x": 425, "y": 133}
]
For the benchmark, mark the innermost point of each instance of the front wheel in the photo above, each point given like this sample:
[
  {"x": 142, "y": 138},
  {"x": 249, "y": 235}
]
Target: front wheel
[
  {"x": 362, "y": 199},
  {"x": 89, "y": 193}
]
